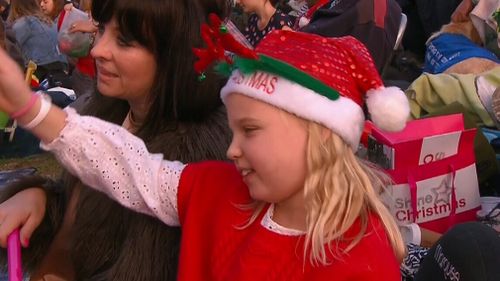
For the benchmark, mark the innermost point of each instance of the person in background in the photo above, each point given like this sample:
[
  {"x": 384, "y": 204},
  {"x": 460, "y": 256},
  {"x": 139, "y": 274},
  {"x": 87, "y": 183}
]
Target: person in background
[
  {"x": 52, "y": 8},
  {"x": 264, "y": 18},
  {"x": 373, "y": 22},
  {"x": 36, "y": 36},
  {"x": 425, "y": 17},
  {"x": 84, "y": 74}
]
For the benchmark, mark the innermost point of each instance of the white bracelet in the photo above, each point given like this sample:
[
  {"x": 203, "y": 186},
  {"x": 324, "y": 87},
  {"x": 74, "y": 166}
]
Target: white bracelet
[{"x": 44, "y": 111}]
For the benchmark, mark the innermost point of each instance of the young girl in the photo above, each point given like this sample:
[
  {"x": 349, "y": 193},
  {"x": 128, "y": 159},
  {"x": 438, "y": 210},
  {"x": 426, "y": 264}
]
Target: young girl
[
  {"x": 52, "y": 8},
  {"x": 264, "y": 17},
  {"x": 296, "y": 204}
]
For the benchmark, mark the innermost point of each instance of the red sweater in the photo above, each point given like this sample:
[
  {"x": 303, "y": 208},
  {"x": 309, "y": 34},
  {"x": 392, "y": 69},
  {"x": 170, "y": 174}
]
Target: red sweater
[{"x": 212, "y": 248}]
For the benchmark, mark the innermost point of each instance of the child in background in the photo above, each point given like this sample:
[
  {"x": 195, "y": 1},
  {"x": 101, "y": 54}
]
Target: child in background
[
  {"x": 83, "y": 77},
  {"x": 263, "y": 19},
  {"x": 52, "y": 8},
  {"x": 296, "y": 204},
  {"x": 36, "y": 36}
]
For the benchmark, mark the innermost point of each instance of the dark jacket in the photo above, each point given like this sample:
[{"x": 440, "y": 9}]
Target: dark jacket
[{"x": 373, "y": 22}]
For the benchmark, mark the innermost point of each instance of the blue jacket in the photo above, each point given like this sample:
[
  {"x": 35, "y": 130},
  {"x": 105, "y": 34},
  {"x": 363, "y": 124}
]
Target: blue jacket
[
  {"x": 449, "y": 49},
  {"x": 37, "y": 40}
]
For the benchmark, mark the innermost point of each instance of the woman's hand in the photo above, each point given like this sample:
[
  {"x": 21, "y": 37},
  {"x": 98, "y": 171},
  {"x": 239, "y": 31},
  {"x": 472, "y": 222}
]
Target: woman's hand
[
  {"x": 462, "y": 12},
  {"x": 26, "y": 210},
  {"x": 14, "y": 91},
  {"x": 83, "y": 26}
]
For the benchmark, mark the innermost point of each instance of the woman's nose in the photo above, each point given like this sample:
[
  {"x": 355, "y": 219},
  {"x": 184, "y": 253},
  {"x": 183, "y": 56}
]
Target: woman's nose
[{"x": 101, "y": 49}]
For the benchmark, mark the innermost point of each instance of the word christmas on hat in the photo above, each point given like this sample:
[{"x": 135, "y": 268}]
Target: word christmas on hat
[{"x": 325, "y": 80}]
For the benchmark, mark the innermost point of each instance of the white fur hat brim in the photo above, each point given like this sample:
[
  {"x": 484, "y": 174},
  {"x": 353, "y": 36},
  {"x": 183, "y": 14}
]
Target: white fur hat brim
[{"x": 343, "y": 116}]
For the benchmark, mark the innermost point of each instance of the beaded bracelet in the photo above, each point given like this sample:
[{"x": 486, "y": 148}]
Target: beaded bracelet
[
  {"x": 42, "y": 113},
  {"x": 21, "y": 112}
]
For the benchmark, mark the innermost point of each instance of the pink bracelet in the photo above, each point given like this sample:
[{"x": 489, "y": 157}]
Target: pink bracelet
[{"x": 26, "y": 108}]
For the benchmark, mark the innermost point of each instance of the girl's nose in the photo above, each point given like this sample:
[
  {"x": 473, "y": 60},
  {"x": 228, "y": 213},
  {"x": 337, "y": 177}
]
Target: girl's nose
[{"x": 233, "y": 152}]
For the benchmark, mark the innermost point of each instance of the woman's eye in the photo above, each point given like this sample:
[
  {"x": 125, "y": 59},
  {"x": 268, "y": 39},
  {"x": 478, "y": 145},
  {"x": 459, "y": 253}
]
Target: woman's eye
[
  {"x": 122, "y": 41},
  {"x": 125, "y": 41}
]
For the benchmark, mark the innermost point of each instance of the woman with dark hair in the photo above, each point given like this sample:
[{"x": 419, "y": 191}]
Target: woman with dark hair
[
  {"x": 36, "y": 36},
  {"x": 146, "y": 83}
]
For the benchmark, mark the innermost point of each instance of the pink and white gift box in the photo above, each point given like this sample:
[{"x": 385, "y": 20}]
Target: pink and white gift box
[{"x": 432, "y": 164}]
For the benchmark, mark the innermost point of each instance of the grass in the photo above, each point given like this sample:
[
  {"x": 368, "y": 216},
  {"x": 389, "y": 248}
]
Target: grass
[{"x": 45, "y": 163}]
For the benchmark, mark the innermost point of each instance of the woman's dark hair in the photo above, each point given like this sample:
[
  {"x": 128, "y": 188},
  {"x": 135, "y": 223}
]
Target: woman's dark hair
[
  {"x": 169, "y": 29},
  {"x": 2, "y": 34}
]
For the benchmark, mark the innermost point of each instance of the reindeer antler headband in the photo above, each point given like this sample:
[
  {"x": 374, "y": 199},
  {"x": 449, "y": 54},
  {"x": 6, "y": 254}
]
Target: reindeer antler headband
[{"x": 218, "y": 41}]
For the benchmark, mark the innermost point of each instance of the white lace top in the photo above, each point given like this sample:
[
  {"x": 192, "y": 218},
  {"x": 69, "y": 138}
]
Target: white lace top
[{"x": 108, "y": 158}]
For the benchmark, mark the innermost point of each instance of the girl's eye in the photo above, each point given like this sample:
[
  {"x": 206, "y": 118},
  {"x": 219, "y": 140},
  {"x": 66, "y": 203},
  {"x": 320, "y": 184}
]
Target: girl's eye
[{"x": 249, "y": 129}]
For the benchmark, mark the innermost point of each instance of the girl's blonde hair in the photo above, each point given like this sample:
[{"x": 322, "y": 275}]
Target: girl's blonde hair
[
  {"x": 340, "y": 189},
  {"x": 22, "y": 8}
]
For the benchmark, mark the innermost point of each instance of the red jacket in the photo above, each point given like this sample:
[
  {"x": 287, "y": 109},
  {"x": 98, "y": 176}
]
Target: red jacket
[{"x": 212, "y": 248}]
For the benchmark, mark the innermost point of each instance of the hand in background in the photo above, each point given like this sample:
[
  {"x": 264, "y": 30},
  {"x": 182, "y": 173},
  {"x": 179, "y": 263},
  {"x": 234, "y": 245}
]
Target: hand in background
[
  {"x": 26, "y": 210},
  {"x": 462, "y": 12},
  {"x": 83, "y": 26}
]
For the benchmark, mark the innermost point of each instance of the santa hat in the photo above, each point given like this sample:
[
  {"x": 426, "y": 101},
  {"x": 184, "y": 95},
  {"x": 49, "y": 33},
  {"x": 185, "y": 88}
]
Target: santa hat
[{"x": 325, "y": 80}]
